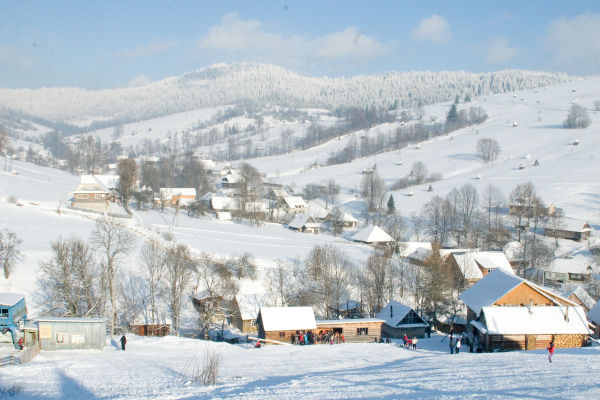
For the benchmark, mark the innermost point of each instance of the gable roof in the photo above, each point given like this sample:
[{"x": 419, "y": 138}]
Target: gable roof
[
  {"x": 583, "y": 296},
  {"x": 249, "y": 304},
  {"x": 10, "y": 299},
  {"x": 316, "y": 210},
  {"x": 495, "y": 285},
  {"x": 294, "y": 201},
  {"x": 577, "y": 265},
  {"x": 415, "y": 250},
  {"x": 287, "y": 318},
  {"x": 469, "y": 262},
  {"x": 223, "y": 203},
  {"x": 91, "y": 184},
  {"x": 372, "y": 234},
  {"x": 594, "y": 314},
  {"x": 394, "y": 312},
  {"x": 301, "y": 220},
  {"x": 535, "y": 320},
  {"x": 571, "y": 225}
]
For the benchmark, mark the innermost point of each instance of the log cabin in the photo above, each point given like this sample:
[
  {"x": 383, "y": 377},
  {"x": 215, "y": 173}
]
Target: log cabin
[
  {"x": 281, "y": 323},
  {"x": 365, "y": 330}
]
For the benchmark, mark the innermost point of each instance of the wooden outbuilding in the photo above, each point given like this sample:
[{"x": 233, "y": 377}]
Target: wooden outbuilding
[
  {"x": 374, "y": 236},
  {"x": 400, "y": 319},
  {"x": 246, "y": 308},
  {"x": 470, "y": 266},
  {"x": 572, "y": 230},
  {"x": 151, "y": 329},
  {"x": 281, "y": 323},
  {"x": 354, "y": 330},
  {"x": 304, "y": 223},
  {"x": 506, "y": 312},
  {"x": 72, "y": 333}
]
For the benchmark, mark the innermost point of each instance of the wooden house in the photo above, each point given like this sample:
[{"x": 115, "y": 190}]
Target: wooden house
[
  {"x": 569, "y": 270},
  {"x": 374, "y": 236},
  {"x": 246, "y": 308},
  {"x": 151, "y": 329},
  {"x": 401, "y": 319},
  {"x": 365, "y": 330},
  {"x": 470, "y": 266},
  {"x": 346, "y": 220},
  {"x": 293, "y": 205},
  {"x": 569, "y": 229},
  {"x": 280, "y": 323},
  {"x": 304, "y": 223},
  {"x": 415, "y": 252},
  {"x": 231, "y": 179},
  {"x": 506, "y": 312},
  {"x": 71, "y": 333},
  {"x": 581, "y": 297},
  {"x": 91, "y": 193}
]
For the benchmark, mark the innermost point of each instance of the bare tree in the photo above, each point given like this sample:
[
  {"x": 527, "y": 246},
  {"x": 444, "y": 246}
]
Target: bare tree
[
  {"x": 494, "y": 200},
  {"x": 251, "y": 187},
  {"x": 278, "y": 284},
  {"x": 128, "y": 175},
  {"x": 69, "y": 280},
  {"x": 377, "y": 281},
  {"x": 152, "y": 265},
  {"x": 9, "y": 251},
  {"x": 113, "y": 244},
  {"x": 488, "y": 150},
  {"x": 373, "y": 192},
  {"x": 578, "y": 117},
  {"x": 3, "y": 141},
  {"x": 331, "y": 192},
  {"x": 419, "y": 172},
  {"x": 437, "y": 218},
  {"x": 179, "y": 266},
  {"x": 131, "y": 298}
]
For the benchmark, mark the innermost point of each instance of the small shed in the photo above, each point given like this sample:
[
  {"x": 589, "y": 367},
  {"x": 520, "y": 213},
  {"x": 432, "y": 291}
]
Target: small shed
[
  {"x": 72, "y": 333},
  {"x": 569, "y": 229},
  {"x": 280, "y": 323},
  {"x": 246, "y": 308},
  {"x": 354, "y": 330},
  {"x": 373, "y": 235},
  {"x": 304, "y": 223},
  {"x": 151, "y": 329},
  {"x": 400, "y": 319}
]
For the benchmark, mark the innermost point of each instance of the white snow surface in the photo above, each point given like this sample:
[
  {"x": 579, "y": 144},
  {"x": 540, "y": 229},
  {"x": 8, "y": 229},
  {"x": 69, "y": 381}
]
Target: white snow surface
[
  {"x": 161, "y": 368},
  {"x": 535, "y": 320}
]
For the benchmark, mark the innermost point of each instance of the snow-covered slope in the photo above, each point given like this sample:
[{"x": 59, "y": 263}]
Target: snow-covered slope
[{"x": 263, "y": 84}]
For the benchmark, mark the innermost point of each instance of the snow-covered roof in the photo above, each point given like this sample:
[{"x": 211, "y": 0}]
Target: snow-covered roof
[
  {"x": 469, "y": 263},
  {"x": 372, "y": 234},
  {"x": 69, "y": 319},
  {"x": 10, "y": 299},
  {"x": 91, "y": 184},
  {"x": 109, "y": 181},
  {"x": 301, "y": 220},
  {"x": 394, "y": 312},
  {"x": 415, "y": 250},
  {"x": 294, "y": 201},
  {"x": 223, "y": 203},
  {"x": 576, "y": 265},
  {"x": 513, "y": 251},
  {"x": 495, "y": 285},
  {"x": 583, "y": 296},
  {"x": 489, "y": 289},
  {"x": 249, "y": 304},
  {"x": 316, "y": 210},
  {"x": 572, "y": 225},
  {"x": 168, "y": 192},
  {"x": 346, "y": 217},
  {"x": 594, "y": 313},
  {"x": 287, "y": 318},
  {"x": 537, "y": 320}
]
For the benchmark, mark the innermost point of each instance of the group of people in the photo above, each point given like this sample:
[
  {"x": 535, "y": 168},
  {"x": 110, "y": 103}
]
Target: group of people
[
  {"x": 410, "y": 343},
  {"x": 455, "y": 345},
  {"x": 325, "y": 336}
]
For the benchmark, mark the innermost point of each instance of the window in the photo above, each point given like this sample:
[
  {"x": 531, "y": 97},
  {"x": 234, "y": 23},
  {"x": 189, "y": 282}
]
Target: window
[
  {"x": 98, "y": 196},
  {"x": 281, "y": 334},
  {"x": 253, "y": 322},
  {"x": 3, "y": 312},
  {"x": 60, "y": 337},
  {"x": 362, "y": 331},
  {"x": 82, "y": 196}
]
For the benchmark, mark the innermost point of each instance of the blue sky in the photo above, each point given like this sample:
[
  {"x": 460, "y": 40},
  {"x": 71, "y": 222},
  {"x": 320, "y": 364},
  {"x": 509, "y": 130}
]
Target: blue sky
[{"x": 106, "y": 44}]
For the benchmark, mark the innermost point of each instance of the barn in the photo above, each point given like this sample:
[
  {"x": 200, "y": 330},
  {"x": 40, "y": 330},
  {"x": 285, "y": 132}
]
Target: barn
[
  {"x": 400, "y": 319},
  {"x": 354, "y": 330},
  {"x": 506, "y": 312},
  {"x": 569, "y": 229},
  {"x": 71, "y": 333},
  {"x": 281, "y": 323}
]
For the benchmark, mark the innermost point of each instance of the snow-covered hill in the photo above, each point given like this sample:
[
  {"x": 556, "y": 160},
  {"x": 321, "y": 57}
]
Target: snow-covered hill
[{"x": 263, "y": 84}]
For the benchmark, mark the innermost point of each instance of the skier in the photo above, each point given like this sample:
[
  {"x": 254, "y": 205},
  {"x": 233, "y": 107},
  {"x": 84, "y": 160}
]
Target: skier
[
  {"x": 550, "y": 349},
  {"x": 451, "y": 346},
  {"x": 457, "y": 346},
  {"x": 123, "y": 342}
]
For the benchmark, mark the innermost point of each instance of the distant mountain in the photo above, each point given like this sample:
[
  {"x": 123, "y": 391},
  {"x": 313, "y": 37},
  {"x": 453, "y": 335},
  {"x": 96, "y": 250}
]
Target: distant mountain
[{"x": 262, "y": 83}]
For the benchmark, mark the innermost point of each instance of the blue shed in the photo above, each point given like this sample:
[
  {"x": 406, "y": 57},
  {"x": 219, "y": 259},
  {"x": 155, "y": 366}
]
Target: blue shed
[{"x": 12, "y": 310}]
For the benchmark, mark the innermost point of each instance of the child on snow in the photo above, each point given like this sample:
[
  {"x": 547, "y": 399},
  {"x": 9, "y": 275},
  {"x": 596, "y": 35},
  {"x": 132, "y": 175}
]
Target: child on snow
[{"x": 550, "y": 349}]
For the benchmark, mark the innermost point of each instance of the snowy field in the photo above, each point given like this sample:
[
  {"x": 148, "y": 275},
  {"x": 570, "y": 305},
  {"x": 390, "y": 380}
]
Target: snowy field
[{"x": 161, "y": 368}]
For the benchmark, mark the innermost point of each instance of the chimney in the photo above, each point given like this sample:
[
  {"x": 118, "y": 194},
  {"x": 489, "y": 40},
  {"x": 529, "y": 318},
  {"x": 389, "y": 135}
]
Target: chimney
[{"x": 567, "y": 314}]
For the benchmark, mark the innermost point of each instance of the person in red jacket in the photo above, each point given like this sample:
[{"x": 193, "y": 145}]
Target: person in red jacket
[
  {"x": 20, "y": 343},
  {"x": 550, "y": 349}
]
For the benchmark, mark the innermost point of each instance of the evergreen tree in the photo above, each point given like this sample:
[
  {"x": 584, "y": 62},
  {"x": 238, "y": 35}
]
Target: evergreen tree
[
  {"x": 391, "y": 206},
  {"x": 452, "y": 118}
]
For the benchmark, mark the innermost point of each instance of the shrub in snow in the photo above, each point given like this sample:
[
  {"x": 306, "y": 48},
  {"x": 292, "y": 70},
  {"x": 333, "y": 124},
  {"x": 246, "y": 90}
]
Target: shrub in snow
[
  {"x": 578, "y": 117},
  {"x": 10, "y": 391}
]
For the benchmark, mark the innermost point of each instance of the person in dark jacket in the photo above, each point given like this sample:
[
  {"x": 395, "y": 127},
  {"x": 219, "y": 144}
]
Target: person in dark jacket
[{"x": 123, "y": 342}]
